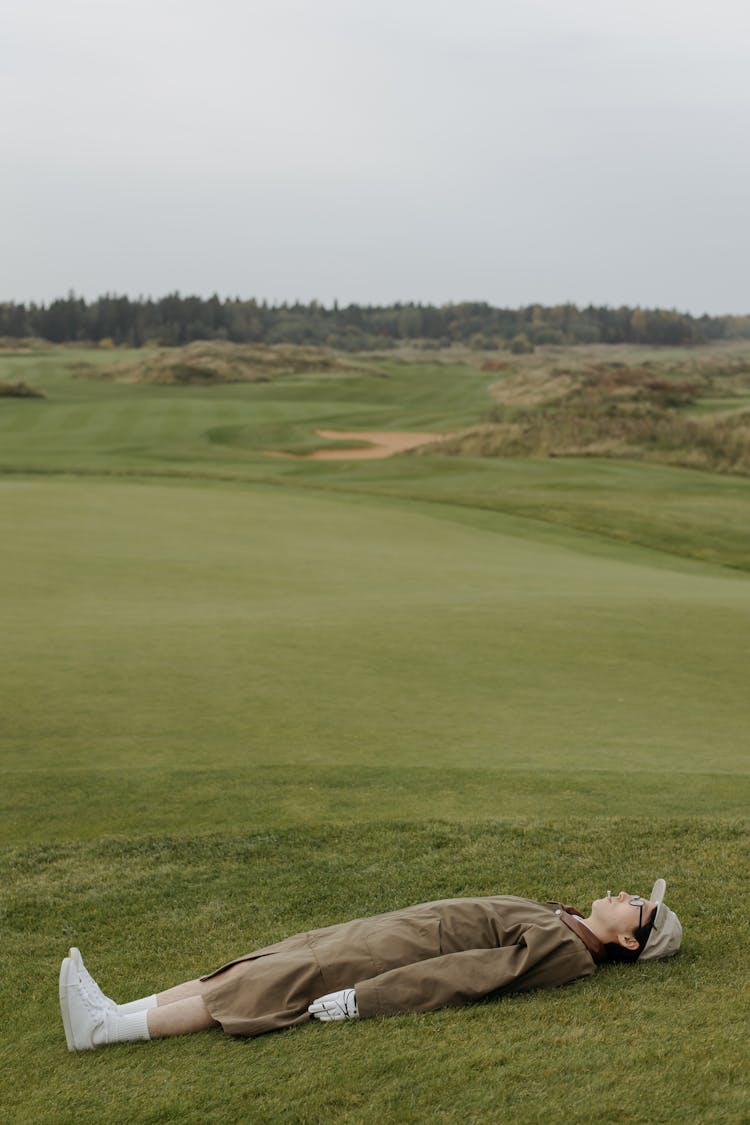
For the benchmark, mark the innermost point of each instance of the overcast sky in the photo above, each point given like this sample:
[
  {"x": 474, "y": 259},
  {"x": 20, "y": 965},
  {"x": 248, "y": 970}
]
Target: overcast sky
[{"x": 511, "y": 151}]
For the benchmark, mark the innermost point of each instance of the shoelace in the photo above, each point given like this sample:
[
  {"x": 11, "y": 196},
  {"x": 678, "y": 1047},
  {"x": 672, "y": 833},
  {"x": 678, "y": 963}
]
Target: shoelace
[
  {"x": 88, "y": 1000},
  {"x": 94, "y": 990},
  {"x": 96, "y": 1010}
]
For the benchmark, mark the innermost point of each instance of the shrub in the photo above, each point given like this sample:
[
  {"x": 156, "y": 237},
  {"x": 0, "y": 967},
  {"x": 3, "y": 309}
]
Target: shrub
[
  {"x": 19, "y": 390},
  {"x": 521, "y": 344}
]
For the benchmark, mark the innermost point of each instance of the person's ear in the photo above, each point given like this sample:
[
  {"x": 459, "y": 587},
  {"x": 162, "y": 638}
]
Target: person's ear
[{"x": 627, "y": 940}]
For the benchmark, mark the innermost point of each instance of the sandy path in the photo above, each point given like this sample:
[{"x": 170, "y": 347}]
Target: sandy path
[{"x": 381, "y": 444}]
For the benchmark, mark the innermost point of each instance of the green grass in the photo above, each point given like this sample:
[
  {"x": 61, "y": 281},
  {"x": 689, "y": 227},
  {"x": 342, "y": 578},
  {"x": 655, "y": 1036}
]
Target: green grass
[
  {"x": 243, "y": 697},
  {"x": 708, "y": 405},
  {"x": 153, "y": 909}
]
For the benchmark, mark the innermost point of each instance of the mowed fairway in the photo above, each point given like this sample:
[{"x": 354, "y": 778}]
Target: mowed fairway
[
  {"x": 231, "y": 629},
  {"x": 236, "y": 709}
]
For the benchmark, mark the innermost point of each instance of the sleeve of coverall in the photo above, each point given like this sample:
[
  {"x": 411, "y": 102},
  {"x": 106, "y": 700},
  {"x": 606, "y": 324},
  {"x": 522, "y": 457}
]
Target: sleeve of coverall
[{"x": 458, "y": 978}]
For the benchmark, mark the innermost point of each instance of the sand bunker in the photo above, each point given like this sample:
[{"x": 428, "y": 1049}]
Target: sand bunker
[{"x": 380, "y": 444}]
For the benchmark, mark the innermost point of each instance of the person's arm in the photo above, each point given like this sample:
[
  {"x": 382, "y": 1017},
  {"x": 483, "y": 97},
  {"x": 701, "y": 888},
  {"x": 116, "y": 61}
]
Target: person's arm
[
  {"x": 457, "y": 978},
  {"x": 434, "y": 983}
]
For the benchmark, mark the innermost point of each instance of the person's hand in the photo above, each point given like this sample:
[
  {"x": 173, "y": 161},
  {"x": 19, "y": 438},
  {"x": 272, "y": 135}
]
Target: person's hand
[{"x": 335, "y": 1006}]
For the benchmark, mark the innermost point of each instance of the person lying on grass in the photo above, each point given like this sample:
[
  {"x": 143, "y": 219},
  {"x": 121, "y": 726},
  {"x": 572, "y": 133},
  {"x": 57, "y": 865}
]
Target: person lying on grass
[{"x": 413, "y": 960}]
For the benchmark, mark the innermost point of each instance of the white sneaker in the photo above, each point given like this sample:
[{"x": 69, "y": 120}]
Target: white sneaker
[
  {"x": 84, "y": 1019},
  {"x": 89, "y": 983}
]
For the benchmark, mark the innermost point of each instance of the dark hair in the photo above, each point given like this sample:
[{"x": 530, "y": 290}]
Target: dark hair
[{"x": 616, "y": 952}]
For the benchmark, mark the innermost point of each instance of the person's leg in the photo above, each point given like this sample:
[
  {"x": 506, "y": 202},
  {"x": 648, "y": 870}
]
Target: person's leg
[
  {"x": 179, "y": 992},
  {"x": 189, "y": 990},
  {"x": 179, "y": 1017},
  {"x": 181, "y": 1010},
  {"x": 144, "y": 1003},
  {"x": 90, "y": 1021}
]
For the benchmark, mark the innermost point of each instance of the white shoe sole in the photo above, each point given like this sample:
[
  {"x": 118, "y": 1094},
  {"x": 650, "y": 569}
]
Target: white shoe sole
[{"x": 66, "y": 969}]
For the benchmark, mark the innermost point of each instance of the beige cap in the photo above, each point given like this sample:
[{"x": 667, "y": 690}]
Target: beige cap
[{"x": 666, "y": 932}]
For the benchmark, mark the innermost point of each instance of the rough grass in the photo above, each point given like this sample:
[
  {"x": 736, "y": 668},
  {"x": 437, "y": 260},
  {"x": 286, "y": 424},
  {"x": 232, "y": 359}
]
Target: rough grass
[
  {"x": 616, "y": 410},
  {"x": 208, "y": 364},
  {"x": 18, "y": 390},
  {"x": 712, "y": 444},
  {"x": 23, "y": 344}
]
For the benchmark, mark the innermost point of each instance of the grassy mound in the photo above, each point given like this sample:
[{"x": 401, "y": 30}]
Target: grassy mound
[
  {"x": 694, "y": 414},
  {"x": 24, "y": 344},
  {"x": 205, "y": 364},
  {"x": 18, "y": 390}
]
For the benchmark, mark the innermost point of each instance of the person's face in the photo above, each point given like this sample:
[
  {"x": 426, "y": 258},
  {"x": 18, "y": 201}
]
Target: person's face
[{"x": 618, "y": 915}]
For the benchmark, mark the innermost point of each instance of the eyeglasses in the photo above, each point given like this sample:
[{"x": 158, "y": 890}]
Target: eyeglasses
[
  {"x": 640, "y": 903},
  {"x": 637, "y": 901}
]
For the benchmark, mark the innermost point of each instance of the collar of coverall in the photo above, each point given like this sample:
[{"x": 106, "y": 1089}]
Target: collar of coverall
[{"x": 587, "y": 936}]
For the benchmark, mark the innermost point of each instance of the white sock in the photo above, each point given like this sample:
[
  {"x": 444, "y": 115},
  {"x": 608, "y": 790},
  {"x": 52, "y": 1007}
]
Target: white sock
[
  {"x": 141, "y": 1005},
  {"x": 122, "y": 1029}
]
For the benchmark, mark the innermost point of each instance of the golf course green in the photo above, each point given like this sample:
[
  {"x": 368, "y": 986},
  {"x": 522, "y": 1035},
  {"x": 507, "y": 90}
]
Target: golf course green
[{"x": 247, "y": 695}]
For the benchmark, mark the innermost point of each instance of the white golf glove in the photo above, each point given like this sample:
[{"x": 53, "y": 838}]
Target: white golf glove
[{"x": 335, "y": 1006}]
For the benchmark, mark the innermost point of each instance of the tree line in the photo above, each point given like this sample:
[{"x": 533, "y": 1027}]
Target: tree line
[{"x": 175, "y": 319}]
